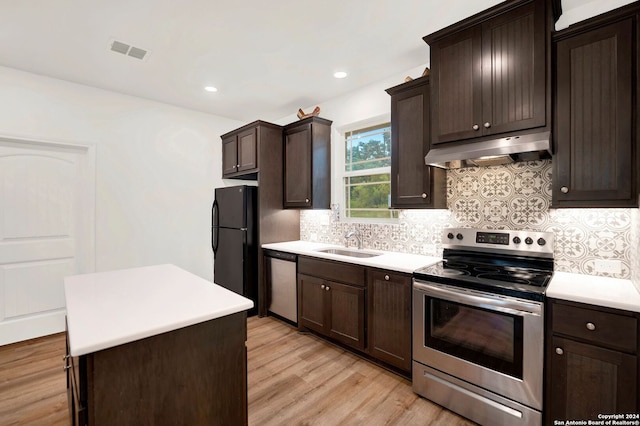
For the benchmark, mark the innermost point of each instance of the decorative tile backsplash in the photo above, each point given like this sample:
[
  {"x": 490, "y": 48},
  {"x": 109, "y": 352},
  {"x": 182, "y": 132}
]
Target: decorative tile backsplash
[
  {"x": 515, "y": 196},
  {"x": 635, "y": 247}
]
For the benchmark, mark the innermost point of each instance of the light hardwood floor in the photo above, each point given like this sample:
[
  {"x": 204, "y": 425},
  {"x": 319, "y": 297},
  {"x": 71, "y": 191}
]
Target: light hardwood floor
[{"x": 293, "y": 379}]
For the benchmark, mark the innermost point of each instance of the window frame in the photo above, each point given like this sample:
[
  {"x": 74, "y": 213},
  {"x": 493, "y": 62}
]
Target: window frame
[{"x": 340, "y": 178}]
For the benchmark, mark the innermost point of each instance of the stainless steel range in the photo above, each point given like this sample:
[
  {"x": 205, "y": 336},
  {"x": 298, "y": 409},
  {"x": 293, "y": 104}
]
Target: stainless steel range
[{"x": 478, "y": 325}]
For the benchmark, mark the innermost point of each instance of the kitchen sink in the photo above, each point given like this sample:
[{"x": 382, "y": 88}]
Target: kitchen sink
[{"x": 349, "y": 252}]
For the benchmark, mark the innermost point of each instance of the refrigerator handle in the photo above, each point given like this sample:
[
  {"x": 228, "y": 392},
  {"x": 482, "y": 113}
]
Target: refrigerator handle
[{"x": 215, "y": 221}]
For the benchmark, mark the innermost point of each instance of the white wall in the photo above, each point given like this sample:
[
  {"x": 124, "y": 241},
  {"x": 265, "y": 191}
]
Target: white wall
[{"x": 156, "y": 166}]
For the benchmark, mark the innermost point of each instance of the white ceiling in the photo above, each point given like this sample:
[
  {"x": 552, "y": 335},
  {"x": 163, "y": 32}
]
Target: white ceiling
[{"x": 267, "y": 58}]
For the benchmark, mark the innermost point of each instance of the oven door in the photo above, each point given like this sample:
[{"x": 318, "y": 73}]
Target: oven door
[{"x": 494, "y": 342}]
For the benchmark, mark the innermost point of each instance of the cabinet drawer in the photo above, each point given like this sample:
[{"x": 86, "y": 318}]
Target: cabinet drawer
[
  {"x": 603, "y": 328},
  {"x": 330, "y": 270}
]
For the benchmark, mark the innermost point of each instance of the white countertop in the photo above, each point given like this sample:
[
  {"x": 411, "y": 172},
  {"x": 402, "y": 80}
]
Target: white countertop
[
  {"x": 400, "y": 262},
  {"x": 107, "y": 309},
  {"x": 600, "y": 291}
]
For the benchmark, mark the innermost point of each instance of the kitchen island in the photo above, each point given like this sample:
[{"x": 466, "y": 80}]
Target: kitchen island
[{"x": 155, "y": 345}]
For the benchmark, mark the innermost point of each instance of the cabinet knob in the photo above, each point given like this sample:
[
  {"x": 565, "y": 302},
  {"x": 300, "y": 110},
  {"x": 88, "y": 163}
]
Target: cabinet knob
[
  {"x": 564, "y": 189},
  {"x": 322, "y": 286},
  {"x": 306, "y": 200},
  {"x": 487, "y": 125},
  {"x": 327, "y": 288},
  {"x": 424, "y": 195},
  {"x": 591, "y": 326},
  {"x": 476, "y": 127},
  {"x": 386, "y": 277},
  {"x": 559, "y": 351},
  {"x": 237, "y": 165}
]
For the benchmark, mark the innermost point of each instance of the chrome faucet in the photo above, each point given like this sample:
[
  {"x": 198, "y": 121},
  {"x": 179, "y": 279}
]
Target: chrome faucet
[{"x": 356, "y": 234}]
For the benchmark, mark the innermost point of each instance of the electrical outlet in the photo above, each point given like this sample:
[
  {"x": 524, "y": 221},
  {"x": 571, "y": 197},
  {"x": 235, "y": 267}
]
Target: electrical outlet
[{"x": 608, "y": 266}]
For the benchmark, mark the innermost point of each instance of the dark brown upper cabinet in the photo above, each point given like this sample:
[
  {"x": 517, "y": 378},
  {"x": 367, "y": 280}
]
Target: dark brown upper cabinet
[
  {"x": 413, "y": 184},
  {"x": 489, "y": 73},
  {"x": 595, "y": 97},
  {"x": 307, "y": 164},
  {"x": 241, "y": 149}
]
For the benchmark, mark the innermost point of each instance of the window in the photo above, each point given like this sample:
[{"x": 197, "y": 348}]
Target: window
[{"x": 367, "y": 173}]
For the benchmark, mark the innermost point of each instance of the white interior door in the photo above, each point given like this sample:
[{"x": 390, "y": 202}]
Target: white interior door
[{"x": 47, "y": 216}]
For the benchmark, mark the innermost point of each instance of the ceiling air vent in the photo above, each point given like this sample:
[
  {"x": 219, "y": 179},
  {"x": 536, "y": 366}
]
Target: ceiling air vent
[{"x": 126, "y": 49}]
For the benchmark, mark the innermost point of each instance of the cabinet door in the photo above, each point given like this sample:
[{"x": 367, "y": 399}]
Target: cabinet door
[
  {"x": 587, "y": 380},
  {"x": 229, "y": 155},
  {"x": 514, "y": 70},
  {"x": 410, "y": 177},
  {"x": 389, "y": 317},
  {"x": 312, "y": 306},
  {"x": 594, "y": 163},
  {"x": 346, "y": 321},
  {"x": 78, "y": 392},
  {"x": 297, "y": 167},
  {"x": 456, "y": 83},
  {"x": 247, "y": 150}
]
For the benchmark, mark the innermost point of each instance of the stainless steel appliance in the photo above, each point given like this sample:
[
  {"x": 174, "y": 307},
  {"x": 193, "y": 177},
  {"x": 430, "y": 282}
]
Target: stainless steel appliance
[
  {"x": 234, "y": 241},
  {"x": 282, "y": 290},
  {"x": 478, "y": 325},
  {"x": 523, "y": 147}
]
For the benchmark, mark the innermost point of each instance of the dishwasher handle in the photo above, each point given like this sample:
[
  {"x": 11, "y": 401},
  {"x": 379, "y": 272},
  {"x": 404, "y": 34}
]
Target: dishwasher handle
[{"x": 281, "y": 255}]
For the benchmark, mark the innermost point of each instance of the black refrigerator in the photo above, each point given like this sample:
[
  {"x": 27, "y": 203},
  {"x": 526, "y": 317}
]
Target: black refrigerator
[{"x": 234, "y": 240}]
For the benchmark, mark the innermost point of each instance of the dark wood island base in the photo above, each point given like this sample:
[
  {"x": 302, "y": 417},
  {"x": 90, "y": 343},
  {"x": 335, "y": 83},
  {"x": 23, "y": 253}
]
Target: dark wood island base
[{"x": 196, "y": 375}]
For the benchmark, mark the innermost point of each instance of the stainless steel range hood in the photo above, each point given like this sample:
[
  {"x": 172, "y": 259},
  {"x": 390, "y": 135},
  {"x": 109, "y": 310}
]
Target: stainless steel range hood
[{"x": 492, "y": 152}]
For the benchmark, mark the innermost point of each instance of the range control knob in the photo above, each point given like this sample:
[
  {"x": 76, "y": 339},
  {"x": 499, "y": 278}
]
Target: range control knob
[
  {"x": 450, "y": 236},
  {"x": 459, "y": 236},
  {"x": 516, "y": 240},
  {"x": 528, "y": 240},
  {"x": 541, "y": 241}
]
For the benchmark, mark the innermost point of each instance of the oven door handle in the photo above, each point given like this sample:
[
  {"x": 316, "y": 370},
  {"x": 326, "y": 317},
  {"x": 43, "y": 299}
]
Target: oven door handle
[{"x": 519, "y": 308}]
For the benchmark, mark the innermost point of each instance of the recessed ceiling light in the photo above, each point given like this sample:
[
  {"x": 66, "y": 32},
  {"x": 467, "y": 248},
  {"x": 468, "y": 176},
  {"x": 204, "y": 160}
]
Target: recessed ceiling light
[
  {"x": 210, "y": 89},
  {"x": 340, "y": 74}
]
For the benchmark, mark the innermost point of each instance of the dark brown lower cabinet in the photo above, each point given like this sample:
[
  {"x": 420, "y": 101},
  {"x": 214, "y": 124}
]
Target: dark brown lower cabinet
[
  {"x": 588, "y": 380},
  {"x": 389, "y": 317},
  {"x": 592, "y": 363},
  {"x": 370, "y": 310},
  {"x": 195, "y": 375},
  {"x": 333, "y": 309}
]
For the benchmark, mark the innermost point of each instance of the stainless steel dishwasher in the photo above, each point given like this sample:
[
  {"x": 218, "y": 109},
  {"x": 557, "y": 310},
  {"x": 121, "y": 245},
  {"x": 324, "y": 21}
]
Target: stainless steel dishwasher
[{"x": 282, "y": 285}]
